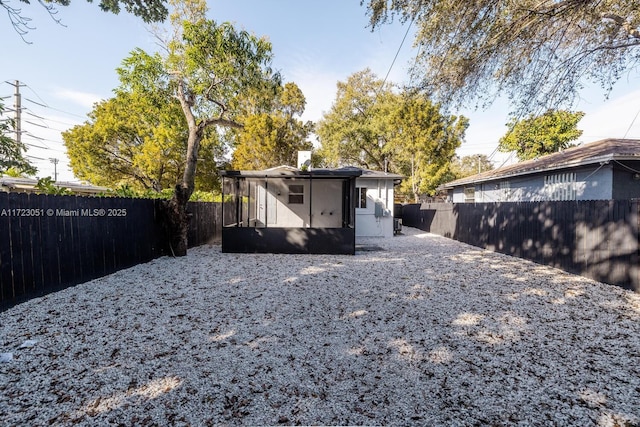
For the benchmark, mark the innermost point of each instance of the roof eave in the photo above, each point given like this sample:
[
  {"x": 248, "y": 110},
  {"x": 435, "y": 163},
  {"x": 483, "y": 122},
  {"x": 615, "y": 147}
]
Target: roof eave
[{"x": 601, "y": 159}]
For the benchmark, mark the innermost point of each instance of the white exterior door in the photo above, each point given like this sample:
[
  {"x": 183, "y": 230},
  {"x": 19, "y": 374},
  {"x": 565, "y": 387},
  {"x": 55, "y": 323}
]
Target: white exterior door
[{"x": 266, "y": 207}]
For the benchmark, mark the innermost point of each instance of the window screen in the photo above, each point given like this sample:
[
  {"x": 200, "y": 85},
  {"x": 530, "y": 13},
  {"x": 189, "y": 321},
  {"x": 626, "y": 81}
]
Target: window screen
[
  {"x": 361, "y": 197},
  {"x": 296, "y": 194},
  {"x": 469, "y": 194}
]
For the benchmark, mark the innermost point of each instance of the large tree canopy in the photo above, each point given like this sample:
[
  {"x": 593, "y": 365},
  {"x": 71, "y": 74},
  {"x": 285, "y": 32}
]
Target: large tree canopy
[
  {"x": 462, "y": 167},
  {"x": 423, "y": 142},
  {"x": 350, "y": 132},
  {"x": 138, "y": 140},
  {"x": 218, "y": 74},
  {"x": 371, "y": 126},
  {"x": 273, "y": 139},
  {"x": 538, "y": 52},
  {"x": 536, "y": 136}
]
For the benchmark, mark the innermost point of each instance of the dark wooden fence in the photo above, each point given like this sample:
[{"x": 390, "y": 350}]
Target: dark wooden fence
[
  {"x": 49, "y": 243},
  {"x": 596, "y": 239}
]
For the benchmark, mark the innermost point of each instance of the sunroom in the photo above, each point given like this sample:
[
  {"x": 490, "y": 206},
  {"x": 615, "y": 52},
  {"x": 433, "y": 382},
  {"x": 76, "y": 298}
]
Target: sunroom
[{"x": 287, "y": 210}]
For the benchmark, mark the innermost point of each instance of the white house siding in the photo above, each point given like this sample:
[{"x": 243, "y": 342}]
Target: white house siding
[
  {"x": 327, "y": 203},
  {"x": 592, "y": 183},
  {"x": 367, "y": 223},
  {"x": 274, "y": 207}
]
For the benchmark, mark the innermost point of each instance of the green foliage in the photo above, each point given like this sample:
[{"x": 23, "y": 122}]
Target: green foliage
[
  {"x": 148, "y": 10},
  {"x": 349, "y": 132},
  {"x": 11, "y": 152},
  {"x": 219, "y": 75},
  {"x": 536, "y": 136},
  {"x": 14, "y": 172},
  {"x": 468, "y": 165},
  {"x": 138, "y": 137},
  {"x": 146, "y": 139},
  {"x": 372, "y": 127},
  {"x": 48, "y": 186},
  {"x": 423, "y": 142},
  {"x": 125, "y": 190},
  {"x": 203, "y": 196},
  {"x": 273, "y": 139},
  {"x": 537, "y": 52},
  {"x": 222, "y": 72}
]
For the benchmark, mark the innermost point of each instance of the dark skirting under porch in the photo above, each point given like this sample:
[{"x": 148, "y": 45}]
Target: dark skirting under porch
[{"x": 340, "y": 241}]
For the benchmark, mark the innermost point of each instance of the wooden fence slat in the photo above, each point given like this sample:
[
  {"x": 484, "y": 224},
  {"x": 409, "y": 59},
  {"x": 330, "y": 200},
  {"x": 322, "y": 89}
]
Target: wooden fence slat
[
  {"x": 6, "y": 280},
  {"x": 15, "y": 242},
  {"x": 69, "y": 243}
]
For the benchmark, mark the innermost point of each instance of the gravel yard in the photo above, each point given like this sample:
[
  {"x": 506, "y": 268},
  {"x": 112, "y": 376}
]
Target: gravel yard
[{"x": 425, "y": 331}]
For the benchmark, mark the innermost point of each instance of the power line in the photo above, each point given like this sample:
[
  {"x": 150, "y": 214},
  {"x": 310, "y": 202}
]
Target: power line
[
  {"x": 36, "y": 124},
  {"x": 52, "y": 120},
  {"x": 397, "y": 53},
  {"x": 37, "y": 103},
  {"x": 36, "y": 146},
  {"x": 29, "y": 113},
  {"x": 54, "y": 109},
  {"x": 35, "y": 93},
  {"x": 631, "y": 125}
]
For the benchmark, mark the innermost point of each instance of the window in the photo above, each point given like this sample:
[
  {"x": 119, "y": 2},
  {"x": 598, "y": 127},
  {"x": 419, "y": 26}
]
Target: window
[
  {"x": 361, "y": 197},
  {"x": 561, "y": 186},
  {"x": 296, "y": 194},
  {"x": 505, "y": 191},
  {"x": 469, "y": 194}
]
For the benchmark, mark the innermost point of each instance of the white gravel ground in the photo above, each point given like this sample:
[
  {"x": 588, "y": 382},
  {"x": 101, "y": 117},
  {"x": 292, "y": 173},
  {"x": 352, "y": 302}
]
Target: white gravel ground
[{"x": 427, "y": 331}]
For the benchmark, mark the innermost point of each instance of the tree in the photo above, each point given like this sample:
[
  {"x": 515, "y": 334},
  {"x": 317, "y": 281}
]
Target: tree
[
  {"x": 536, "y": 136},
  {"x": 469, "y": 165},
  {"x": 148, "y": 10},
  {"x": 213, "y": 69},
  {"x": 539, "y": 53},
  {"x": 423, "y": 143},
  {"x": 11, "y": 151},
  {"x": 371, "y": 126},
  {"x": 138, "y": 137},
  {"x": 273, "y": 139},
  {"x": 349, "y": 133}
]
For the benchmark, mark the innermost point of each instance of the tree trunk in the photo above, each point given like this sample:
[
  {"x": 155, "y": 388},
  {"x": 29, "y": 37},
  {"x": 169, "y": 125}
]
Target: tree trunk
[
  {"x": 176, "y": 208},
  {"x": 177, "y": 219}
]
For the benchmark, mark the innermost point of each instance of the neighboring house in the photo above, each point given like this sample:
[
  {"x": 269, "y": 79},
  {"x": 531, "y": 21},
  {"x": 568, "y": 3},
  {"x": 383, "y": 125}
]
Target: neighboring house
[
  {"x": 603, "y": 170},
  {"x": 28, "y": 185},
  {"x": 287, "y": 210}
]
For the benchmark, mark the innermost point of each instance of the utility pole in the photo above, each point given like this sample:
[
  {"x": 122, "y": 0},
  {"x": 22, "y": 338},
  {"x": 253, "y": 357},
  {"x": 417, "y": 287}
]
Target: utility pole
[
  {"x": 55, "y": 168},
  {"x": 17, "y": 104}
]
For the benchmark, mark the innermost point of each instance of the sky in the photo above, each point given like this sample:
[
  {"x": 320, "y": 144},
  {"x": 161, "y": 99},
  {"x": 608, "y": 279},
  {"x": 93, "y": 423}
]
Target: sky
[{"x": 66, "y": 68}]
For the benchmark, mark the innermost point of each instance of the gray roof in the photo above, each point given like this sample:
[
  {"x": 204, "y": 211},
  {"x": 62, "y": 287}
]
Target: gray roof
[
  {"x": 368, "y": 173},
  {"x": 289, "y": 171},
  {"x": 595, "y": 152}
]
